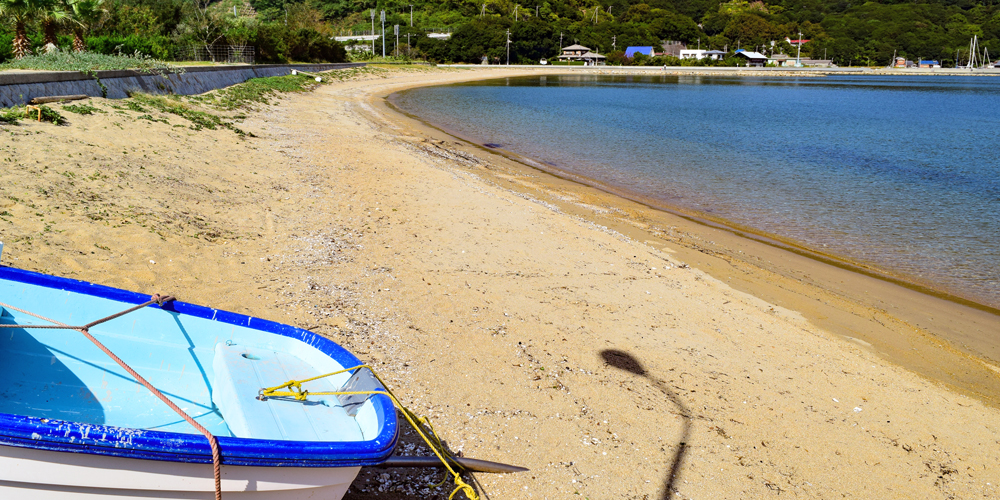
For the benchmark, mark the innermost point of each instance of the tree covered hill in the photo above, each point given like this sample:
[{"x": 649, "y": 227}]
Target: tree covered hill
[{"x": 849, "y": 32}]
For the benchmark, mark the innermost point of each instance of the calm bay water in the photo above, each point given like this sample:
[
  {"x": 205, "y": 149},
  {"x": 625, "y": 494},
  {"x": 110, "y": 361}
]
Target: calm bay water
[{"x": 900, "y": 172}]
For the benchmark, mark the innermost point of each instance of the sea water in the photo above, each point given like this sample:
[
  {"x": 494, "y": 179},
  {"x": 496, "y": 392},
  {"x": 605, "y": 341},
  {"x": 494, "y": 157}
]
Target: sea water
[{"x": 899, "y": 172}]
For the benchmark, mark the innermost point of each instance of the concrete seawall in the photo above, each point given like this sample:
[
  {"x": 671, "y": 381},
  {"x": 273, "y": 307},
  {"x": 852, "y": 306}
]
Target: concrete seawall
[{"x": 17, "y": 88}]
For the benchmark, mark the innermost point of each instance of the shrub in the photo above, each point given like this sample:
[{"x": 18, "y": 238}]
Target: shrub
[
  {"x": 88, "y": 62},
  {"x": 158, "y": 47}
]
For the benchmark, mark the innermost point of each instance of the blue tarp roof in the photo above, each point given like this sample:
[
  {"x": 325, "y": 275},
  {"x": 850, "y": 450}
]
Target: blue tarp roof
[
  {"x": 929, "y": 62},
  {"x": 631, "y": 51}
]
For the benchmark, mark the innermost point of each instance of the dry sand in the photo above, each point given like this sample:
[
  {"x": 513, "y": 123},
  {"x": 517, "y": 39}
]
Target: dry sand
[{"x": 615, "y": 350}]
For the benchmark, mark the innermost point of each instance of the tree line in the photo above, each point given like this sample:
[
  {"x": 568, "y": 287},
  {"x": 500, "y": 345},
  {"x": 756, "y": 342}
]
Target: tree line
[
  {"x": 844, "y": 31},
  {"x": 849, "y": 32},
  {"x": 167, "y": 29}
]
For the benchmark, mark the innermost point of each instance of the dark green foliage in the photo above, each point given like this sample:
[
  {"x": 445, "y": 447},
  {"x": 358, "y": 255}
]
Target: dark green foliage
[
  {"x": 50, "y": 115},
  {"x": 159, "y": 47},
  {"x": 6, "y": 47},
  {"x": 848, "y": 32},
  {"x": 13, "y": 115},
  {"x": 294, "y": 30}
]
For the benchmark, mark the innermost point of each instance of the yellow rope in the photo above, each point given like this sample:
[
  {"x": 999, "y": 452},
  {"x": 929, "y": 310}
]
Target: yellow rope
[{"x": 296, "y": 391}]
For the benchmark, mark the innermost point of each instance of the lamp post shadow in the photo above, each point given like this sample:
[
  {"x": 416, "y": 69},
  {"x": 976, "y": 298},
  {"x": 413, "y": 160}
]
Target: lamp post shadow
[{"x": 626, "y": 362}]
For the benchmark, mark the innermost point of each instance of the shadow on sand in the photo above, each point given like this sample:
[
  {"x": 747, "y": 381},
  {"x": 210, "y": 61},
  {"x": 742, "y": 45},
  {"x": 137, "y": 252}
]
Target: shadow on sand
[{"x": 626, "y": 362}]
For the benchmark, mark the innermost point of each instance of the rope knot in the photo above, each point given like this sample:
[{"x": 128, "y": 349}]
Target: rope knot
[{"x": 161, "y": 299}]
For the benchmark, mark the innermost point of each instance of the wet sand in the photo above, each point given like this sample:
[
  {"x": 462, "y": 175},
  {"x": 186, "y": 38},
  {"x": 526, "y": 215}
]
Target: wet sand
[{"x": 616, "y": 350}]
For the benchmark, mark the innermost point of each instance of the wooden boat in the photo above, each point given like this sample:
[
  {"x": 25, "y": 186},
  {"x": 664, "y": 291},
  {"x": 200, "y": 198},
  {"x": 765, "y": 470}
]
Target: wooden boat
[{"x": 75, "y": 424}]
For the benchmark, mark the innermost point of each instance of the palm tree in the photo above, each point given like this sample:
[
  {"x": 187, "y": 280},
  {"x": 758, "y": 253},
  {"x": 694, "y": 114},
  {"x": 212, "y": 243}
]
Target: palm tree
[
  {"x": 19, "y": 13},
  {"x": 86, "y": 13},
  {"x": 53, "y": 14}
]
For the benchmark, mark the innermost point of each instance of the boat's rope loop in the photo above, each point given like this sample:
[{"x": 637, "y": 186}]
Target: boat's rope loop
[
  {"x": 85, "y": 330},
  {"x": 293, "y": 388}
]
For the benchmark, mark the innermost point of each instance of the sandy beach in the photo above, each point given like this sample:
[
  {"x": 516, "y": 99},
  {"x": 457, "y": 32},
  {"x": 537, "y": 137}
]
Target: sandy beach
[{"x": 615, "y": 349}]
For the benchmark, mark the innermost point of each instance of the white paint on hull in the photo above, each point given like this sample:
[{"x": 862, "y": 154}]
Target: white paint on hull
[{"x": 41, "y": 475}]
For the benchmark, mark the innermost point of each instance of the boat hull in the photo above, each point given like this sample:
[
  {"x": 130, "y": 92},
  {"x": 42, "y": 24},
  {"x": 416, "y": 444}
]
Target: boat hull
[{"x": 41, "y": 475}]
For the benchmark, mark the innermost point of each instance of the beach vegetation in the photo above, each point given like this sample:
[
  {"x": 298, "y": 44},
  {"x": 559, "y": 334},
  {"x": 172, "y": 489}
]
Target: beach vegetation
[
  {"x": 40, "y": 113},
  {"x": 48, "y": 115},
  {"x": 199, "y": 119},
  {"x": 82, "y": 109},
  {"x": 257, "y": 91},
  {"x": 11, "y": 116},
  {"x": 89, "y": 62}
]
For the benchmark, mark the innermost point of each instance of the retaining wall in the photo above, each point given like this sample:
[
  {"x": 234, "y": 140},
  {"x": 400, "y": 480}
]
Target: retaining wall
[{"x": 17, "y": 88}]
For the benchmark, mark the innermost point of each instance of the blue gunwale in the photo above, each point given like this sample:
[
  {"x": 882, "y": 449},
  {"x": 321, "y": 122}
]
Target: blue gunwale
[{"x": 75, "y": 437}]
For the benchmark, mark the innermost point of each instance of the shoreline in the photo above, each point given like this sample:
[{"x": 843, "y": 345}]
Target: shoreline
[
  {"x": 741, "y": 71},
  {"x": 534, "y": 320},
  {"x": 927, "y": 314},
  {"x": 778, "y": 241}
]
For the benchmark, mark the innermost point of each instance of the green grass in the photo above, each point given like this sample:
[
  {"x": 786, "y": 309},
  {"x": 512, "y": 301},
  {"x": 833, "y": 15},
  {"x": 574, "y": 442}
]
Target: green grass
[
  {"x": 88, "y": 62},
  {"x": 256, "y": 91},
  {"x": 198, "y": 119},
  {"x": 82, "y": 109}
]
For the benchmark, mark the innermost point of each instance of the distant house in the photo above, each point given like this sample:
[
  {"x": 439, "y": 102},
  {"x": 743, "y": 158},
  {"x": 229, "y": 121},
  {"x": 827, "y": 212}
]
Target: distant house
[
  {"x": 752, "y": 58},
  {"x": 573, "y": 52},
  {"x": 930, "y": 64},
  {"x": 579, "y": 53},
  {"x": 632, "y": 51},
  {"x": 780, "y": 60},
  {"x": 902, "y": 62},
  {"x": 692, "y": 54},
  {"x": 714, "y": 55}
]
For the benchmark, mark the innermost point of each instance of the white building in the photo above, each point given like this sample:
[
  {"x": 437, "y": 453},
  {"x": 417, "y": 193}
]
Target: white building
[{"x": 357, "y": 43}]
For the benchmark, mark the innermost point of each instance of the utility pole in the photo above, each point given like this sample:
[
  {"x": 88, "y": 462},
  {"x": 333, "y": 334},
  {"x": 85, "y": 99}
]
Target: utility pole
[
  {"x": 614, "y": 39},
  {"x": 411, "y": 20},
  {"x": 798, "y": 60},
  {"x": 508, "y": 47},
  {"x": 515, "y": 12},
  {"x": 397, "y": 39},
  {"x": 560, "y": 40},
  {"x": 536, "y": 11},
  {"x": 383, "y": 33},
  {"x": 373, "y": 32}
]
